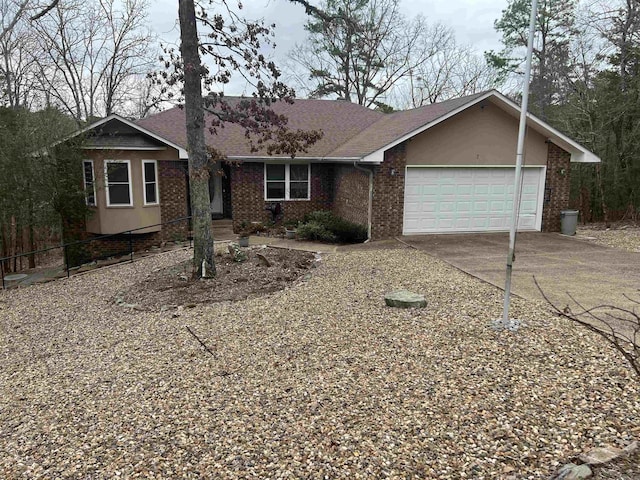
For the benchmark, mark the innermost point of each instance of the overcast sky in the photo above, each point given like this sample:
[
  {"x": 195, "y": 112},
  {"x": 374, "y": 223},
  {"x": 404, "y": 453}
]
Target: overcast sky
[{"x": 472, "y": 20}]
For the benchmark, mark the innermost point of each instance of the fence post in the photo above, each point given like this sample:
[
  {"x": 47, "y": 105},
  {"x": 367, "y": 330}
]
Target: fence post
[
  {"x": 66, "y": 258},
  {"x": 2, "y": 272},
  {"x": 131, "y": 245}
]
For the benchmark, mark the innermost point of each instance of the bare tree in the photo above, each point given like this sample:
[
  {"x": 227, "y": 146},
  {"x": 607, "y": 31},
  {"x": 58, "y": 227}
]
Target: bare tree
[
  {"x": 16, "y": 10},
  {"x": 230, "y": 44},
  {"x": 93, "y": 51},
  {"x": 18, "y": 42},
  {"x": 359, "y": 50},
  {"x": 454, "y": 71}
]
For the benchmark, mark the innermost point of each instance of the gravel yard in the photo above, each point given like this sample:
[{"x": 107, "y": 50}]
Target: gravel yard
[
  {"x": 320, "y": 380},
  {"x": 621, "y": 236}
]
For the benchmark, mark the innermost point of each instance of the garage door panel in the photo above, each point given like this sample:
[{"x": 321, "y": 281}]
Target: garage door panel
[
  {"x": 429, "y": 207},
  {"x": 468, "y": 199}
]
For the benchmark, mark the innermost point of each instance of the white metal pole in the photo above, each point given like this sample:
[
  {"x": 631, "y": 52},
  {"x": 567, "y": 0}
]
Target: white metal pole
[{"x": 519, "y": 156}]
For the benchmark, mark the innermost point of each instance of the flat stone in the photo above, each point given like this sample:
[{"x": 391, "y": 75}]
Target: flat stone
[
  {"x": 405, "y": 299},
  {"x": 571, "y": 471},
  {"x": 600, "y": 455},
  {"x": 15, "y": 277}
]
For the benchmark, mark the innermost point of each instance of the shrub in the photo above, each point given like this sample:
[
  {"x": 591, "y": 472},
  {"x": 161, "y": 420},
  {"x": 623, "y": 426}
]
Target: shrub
[
  {"x": 315, "y": 231},
  {"x": 341, "y": 229}
]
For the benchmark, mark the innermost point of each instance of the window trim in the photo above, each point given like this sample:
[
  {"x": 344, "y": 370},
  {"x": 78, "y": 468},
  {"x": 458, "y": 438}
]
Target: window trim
[
  {"x": 130, "y": 182},
  {"x": 144, "y": 183},
  {"x": 93, "y": 183},
  {"x": 287, "y": 183}
]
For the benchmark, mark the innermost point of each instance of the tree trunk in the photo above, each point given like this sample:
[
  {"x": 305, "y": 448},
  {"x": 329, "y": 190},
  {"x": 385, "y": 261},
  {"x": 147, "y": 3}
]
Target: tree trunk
[
  {"x": 603, "y": 203},
  {"x": 203, "y": 260},
  {"x": 31, "y": 233}
]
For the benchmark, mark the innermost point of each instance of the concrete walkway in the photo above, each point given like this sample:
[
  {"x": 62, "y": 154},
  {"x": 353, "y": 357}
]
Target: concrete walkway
[{"x": 592, "y": 274}]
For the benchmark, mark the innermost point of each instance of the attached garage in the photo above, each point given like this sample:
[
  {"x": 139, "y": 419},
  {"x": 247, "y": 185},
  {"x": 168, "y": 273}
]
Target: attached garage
[{"x": 470, "y": 199}]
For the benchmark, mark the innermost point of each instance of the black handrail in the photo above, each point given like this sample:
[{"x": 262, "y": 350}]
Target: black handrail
[{"x": 64, "y": 246}]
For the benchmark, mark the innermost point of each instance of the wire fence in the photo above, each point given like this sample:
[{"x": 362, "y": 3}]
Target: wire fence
[{"x": 97, "y": 251}]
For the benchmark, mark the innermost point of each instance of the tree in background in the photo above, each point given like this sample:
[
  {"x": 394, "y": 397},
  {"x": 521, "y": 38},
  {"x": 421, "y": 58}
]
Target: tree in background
[
  {"x": 359, "y": 50},
  {"x": 555, "y": 28},
  {"x": 228, "y": 44},
  {"x": 41, "y": 184},
  {"x": 14, "y": 11},
  {"x": 455, "y": 71},
  {"x": 89, "y": 58},
  {"x": 603, "y": 112},
  {"x": 94, "y": 50}
]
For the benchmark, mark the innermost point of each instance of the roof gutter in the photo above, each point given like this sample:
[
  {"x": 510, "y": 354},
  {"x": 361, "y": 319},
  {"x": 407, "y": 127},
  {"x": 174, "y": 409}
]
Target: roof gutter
[{"x": 370, "y": 209}]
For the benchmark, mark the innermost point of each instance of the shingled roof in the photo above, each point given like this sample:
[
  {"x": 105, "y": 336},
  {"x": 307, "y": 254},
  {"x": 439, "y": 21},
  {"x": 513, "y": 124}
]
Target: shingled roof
[
  {"x": 350, "y": 130},
  {"x": 338, "y": 120}
]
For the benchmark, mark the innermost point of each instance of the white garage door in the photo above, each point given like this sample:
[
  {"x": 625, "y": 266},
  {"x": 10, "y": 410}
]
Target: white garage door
[{"x": 442, "y": 200}]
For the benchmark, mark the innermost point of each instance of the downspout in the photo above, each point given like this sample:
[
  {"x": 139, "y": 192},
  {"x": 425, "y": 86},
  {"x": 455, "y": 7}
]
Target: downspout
[{"x": 370, "y": 209}]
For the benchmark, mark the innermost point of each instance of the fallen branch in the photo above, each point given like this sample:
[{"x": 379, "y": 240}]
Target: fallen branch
[
  {"x": 604, "y": 316},
  {"x": 204, "y": 345}
]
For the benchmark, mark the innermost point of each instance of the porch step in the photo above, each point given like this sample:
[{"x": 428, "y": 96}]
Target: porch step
[{"x": 222, "y": 223}]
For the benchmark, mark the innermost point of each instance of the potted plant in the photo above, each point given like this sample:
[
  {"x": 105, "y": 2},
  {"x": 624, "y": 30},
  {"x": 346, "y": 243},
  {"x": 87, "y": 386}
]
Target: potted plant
[
  {"x": 290, "y": 228},
  {"x": 243, "y": 234}
]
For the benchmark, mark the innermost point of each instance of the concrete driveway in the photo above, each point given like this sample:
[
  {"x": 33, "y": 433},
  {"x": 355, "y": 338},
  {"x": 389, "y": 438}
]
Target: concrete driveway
[{"x": 592, "y": 274}]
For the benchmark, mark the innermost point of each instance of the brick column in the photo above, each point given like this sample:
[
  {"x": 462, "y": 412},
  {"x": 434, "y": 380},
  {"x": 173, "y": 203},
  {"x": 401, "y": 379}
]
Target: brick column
[
  {"x": 351, "y": 199},
  {"x": 556, "y": 187},
  {"x": 388, "y": 194},
  {"x": 173, "y": 198}
]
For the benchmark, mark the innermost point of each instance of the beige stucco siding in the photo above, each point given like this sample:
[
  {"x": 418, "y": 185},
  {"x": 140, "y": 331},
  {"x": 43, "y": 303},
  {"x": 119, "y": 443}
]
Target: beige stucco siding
[
  {"x": 477, "y": 136},
  {"x": 115, "y": 219}
]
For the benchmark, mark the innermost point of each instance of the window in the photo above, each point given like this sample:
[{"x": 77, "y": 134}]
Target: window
[
  {"x": 287, "y": 181},
  {"x": 118, "y": 183},
  {"x": 150, "y": 181},
  {"x": 89, "y": 183}
]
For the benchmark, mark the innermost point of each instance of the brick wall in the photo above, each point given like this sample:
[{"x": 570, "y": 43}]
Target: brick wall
[
  {"x": 119, "y": 244},
  {"x": 247, "y": 194},
  {"x": 388, "y": 194},
  {"x": 173, "y": 198},
  {"x": 557, "y": 186},
  {"x": 351, "y": 194}
]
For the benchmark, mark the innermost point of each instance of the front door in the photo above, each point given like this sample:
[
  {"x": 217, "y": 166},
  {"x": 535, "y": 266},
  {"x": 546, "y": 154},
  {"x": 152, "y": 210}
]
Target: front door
[{"x": 215, "y": 195}]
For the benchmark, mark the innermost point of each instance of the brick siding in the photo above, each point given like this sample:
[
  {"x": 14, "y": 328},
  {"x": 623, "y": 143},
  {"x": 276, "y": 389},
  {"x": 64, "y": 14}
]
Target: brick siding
[
  {"x": 351, "y": 194},
  {"x": 119, "y": 244},
  {"x": 557, "y": 186},
  {"x": 247, "y": 194},
  {"x": 173, "y": 198},
  {"x": 388, "y": 194}
]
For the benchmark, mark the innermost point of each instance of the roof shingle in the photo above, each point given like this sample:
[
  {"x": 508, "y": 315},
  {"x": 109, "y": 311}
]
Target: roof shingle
[{"x": 350, "y": 130}]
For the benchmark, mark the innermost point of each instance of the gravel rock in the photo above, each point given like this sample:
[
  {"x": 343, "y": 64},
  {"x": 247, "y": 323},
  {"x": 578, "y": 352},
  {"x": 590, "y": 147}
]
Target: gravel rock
[
  {"x": 622, "y": 238},
  {"x": 320, "y": 380}
]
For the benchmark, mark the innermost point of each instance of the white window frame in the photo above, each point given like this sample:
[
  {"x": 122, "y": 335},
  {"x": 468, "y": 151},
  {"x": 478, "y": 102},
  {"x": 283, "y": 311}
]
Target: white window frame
[
  {"x": 156, "y": 182},
  {"x": 130, "y": 182},
  {"x": 287, "y": 183},
  {"x": 93, "y": 183}
]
